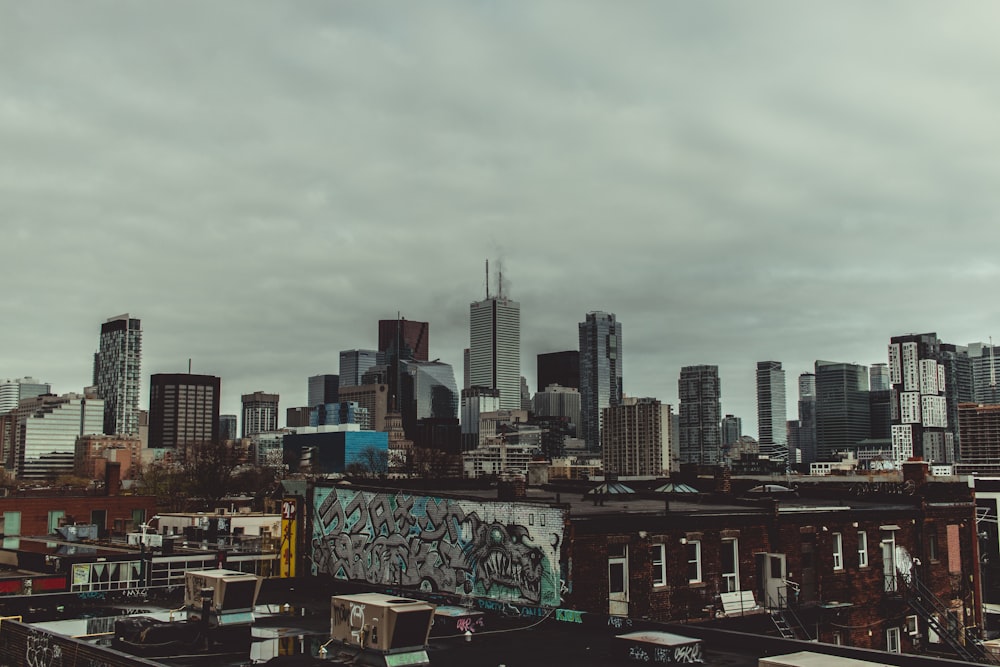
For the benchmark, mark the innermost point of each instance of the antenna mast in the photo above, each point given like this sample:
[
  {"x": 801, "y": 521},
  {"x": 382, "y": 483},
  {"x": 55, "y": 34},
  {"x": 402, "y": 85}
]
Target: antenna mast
[{"x": 487, "y": 279}]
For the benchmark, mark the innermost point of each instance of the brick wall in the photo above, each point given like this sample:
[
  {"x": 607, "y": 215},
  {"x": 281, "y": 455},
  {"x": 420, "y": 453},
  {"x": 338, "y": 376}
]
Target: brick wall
[{"x": 77, "y": 509}]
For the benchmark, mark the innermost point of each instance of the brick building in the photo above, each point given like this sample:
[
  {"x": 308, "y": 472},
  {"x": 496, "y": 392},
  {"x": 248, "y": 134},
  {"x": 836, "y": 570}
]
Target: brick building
[{"x": 888, "y": 564}]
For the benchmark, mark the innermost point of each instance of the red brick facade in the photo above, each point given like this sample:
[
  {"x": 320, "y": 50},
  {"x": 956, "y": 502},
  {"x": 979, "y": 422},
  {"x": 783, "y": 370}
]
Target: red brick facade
[
  {"x": 847, "y": 601},
  {"x": 119, "y": 513}
]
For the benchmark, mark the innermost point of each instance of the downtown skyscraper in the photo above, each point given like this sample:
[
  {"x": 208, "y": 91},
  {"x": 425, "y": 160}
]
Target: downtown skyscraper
[
  {"x": 772, "y": 430},
  {"x": 495, "y": 348},
  {"x": 183, "y": 411},
  {"x": 600, "y": 372},
  {"x": 700, "y": 411},
  {"x": 117, "y": 366},
  {"x": 919, "y": 404}
]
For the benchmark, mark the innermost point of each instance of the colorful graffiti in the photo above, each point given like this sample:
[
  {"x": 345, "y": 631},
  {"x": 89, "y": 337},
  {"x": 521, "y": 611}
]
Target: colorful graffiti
[{"x": 499, "y": 550}]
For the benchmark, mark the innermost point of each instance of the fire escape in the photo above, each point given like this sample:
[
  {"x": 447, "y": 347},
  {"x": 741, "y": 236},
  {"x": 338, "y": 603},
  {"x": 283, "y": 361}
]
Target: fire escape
[{"x": 940, "y": 619}]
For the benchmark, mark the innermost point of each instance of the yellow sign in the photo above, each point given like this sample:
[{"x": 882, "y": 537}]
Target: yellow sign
[
  {"x": 81, "y": 575},
  {"x": 289, "y": 536}
]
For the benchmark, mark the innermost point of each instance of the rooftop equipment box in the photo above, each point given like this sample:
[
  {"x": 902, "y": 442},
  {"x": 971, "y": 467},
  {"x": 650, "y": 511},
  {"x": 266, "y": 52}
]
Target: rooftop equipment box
[
  {"x": 231, "y": 591},
  {"x": 381, "y": 622}
]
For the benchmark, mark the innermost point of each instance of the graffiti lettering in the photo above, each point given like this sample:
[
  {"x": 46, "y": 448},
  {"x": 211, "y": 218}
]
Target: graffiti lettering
[
  {"x": 638, "y": 653},
  {"x": 93, "y": 595},
  {"x": 619, "y": 622},
  {"x": 41, "y": 652},
  {"x": 569, "y": 615},
  {"x": 463, "y": 547},
  {"x": 135, "y": 592},
  {"x": 469, "y": 624},
  {"x": 689, "y": 653},
  {"x": 906, "y": 488}
]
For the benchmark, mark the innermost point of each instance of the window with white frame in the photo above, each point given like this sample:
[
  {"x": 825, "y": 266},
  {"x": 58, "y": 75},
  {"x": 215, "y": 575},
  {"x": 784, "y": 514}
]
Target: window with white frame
[
  {"x": 862, "y": 549},
  {"x": 658, "y": 556},
  {"x": 838, "y": 551},
  {"x": 730, "y": 565},
  {"x": 694, "y": 561},
  {"x": 892, "y": 644}
]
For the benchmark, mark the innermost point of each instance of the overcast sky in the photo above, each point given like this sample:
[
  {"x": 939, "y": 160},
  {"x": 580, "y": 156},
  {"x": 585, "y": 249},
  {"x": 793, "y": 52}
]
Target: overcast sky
[{"x": 259, "y": 182}]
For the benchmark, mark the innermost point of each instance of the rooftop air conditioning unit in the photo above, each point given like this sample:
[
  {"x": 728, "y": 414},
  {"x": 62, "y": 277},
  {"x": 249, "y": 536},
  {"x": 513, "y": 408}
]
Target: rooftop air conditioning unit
[{"x": 380, "y": 622}]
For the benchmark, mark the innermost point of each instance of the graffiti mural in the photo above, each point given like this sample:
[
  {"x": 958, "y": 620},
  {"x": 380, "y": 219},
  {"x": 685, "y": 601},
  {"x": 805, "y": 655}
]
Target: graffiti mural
[{"x": 499, "y": 550}]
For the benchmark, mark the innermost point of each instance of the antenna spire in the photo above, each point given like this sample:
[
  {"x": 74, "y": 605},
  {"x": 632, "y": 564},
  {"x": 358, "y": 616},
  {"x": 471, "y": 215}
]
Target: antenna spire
[{"x": 487, "y": 279}]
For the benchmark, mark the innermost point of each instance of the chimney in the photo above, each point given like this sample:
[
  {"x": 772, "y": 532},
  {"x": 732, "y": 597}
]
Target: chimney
[
  {"x": 723, "y": 480},
  {"x": 112, "y": 478},
  {"x": 915, "y": 470}
]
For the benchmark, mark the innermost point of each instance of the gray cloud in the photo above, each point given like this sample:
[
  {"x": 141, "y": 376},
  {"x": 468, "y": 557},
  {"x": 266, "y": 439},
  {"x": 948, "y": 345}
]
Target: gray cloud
[{"x": 261, "y": 182}]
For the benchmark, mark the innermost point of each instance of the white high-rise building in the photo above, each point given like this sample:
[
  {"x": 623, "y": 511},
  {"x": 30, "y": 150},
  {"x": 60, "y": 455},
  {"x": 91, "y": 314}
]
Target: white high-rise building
[
  {"x": 117, "y": 372},
  {"x": 495, "y": 348},
  {"x": 771, "y": 423},
  {"x": 46, "y": 431},
  {"x": 13, "y": 391}
]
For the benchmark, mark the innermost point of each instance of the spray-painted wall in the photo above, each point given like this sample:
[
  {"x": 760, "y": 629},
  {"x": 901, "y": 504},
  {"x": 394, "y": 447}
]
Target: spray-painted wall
[{"x": 500, "y": 550}]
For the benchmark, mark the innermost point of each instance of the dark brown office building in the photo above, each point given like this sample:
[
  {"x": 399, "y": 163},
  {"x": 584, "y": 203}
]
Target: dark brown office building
[
  {"x": 183, "y": 410},
  {"x": 562, "y": 368},
  {"x": 412, "y": 338}
]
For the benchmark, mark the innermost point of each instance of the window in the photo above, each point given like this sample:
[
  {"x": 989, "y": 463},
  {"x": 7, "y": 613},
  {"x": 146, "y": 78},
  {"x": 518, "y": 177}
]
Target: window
[
  {"x": 730, "y": 565},
  {"x": 11, "y": 523},
  {"x": 54, "y": 517},
  {"x": 862, "y": 549},
  {"x": 932, "y": 543},
  {"x": 838, "y": 637},
  {"x": 658, "y": 557},
  {"x": 954, "y": 550},
  {"x": 892, "y": 640},
  {"x": 838, "y": 551},
  {"x": 694, "y": 561}
]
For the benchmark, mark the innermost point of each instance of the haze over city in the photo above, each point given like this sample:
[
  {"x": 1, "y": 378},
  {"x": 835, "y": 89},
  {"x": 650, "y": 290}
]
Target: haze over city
[{"x": 261, "y": 183}]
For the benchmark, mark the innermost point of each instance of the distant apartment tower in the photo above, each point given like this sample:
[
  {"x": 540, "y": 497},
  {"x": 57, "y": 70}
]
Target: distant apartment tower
[
  {"x": 699, "y": 413},
  {"x": 183, "y": 410},
  {"x": 985, "y": 359},
  {"x": 979, "y": 445},
  {"x": 635, "y": 436},
  {"x": 806, "y": 428},
  {"x": 354, "y": 364},
  {"x": 732, "y": 430},
  {"x": 260, "y": 413},
  {"x": 117, "y": 367},
  {"x": 324, "y": 389},
  {"x": 227, "y": 427},
  {"x": 561, "y": 368},
  {"x": 557, "y": 401},
  {"x": 600, "y": 372},
  {"x": 843, "y": 417},
  {"x": 919, "y": 405},
  {"x": 495, "y": 348},
  {"x": 771, "y": 422},
  {"x": 13, "y": 391}
]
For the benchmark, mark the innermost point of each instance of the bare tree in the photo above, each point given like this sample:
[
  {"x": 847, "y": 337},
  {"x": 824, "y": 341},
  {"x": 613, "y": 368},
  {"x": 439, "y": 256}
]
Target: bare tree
[
  {"x": 375, "y": 461},
  {"x": 208, "y": 472}
]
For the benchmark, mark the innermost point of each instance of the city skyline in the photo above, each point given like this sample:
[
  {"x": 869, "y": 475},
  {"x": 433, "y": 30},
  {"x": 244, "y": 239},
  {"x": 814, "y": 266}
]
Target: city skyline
[{"x": 732, "y": 211}]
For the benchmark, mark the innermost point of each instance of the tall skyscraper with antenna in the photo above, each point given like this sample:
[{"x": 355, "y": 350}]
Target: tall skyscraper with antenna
[{"x": 495, "y": 345}]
